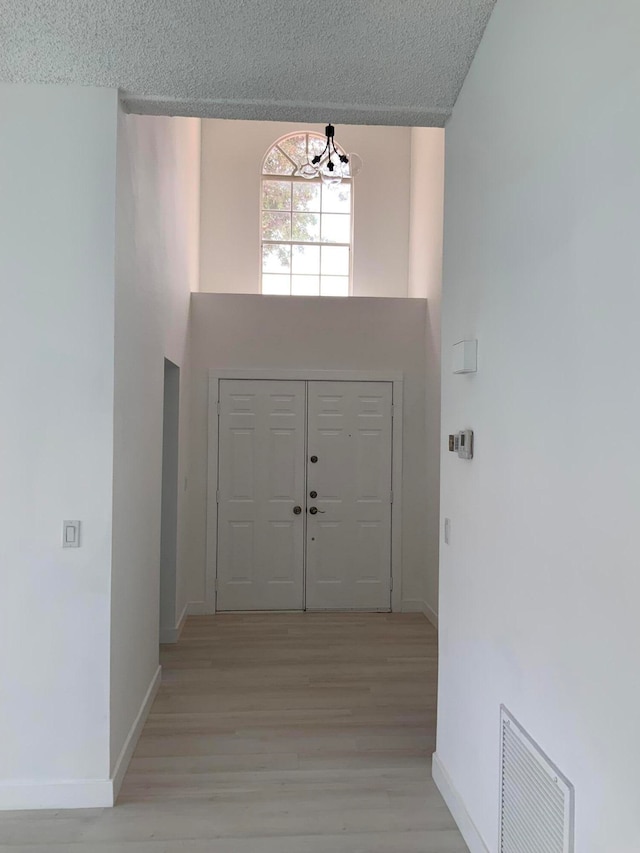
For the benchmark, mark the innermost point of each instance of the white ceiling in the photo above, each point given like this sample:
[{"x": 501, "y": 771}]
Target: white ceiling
[{"x": 359, "y": 61}]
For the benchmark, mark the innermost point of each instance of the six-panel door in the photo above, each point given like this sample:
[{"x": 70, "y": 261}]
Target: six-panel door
[
  {"x": 287, "y": 544},
  {"x": 349, "y": 537},
  {"x": 261, "y": 479}
]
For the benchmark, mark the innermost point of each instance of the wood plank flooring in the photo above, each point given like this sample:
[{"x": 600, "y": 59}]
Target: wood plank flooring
[{"x": 276, "y": 733}]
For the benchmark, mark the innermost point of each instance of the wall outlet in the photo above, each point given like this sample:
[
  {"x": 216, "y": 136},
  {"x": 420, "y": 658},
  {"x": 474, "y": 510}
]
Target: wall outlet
[{"x": 447, "y": 531}]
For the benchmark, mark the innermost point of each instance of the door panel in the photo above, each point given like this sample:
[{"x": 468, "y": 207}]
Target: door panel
[
  {"x": 348, "y": 549},
  {"x": 261, "y": 460}
]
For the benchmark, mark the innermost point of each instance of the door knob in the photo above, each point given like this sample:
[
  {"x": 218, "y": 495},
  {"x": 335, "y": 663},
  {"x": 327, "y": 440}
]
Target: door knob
[
  {"x": 314, "y": 458},
  {"x": 313, "y": 494},
  {"x": 297, "y": 510},
  {"x": 314, "y": 510}
]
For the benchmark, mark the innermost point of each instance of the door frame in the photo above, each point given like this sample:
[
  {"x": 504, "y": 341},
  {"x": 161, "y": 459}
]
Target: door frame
[
  {"x": 170, "y": 498},
  {"x": 393, "y": 376}
]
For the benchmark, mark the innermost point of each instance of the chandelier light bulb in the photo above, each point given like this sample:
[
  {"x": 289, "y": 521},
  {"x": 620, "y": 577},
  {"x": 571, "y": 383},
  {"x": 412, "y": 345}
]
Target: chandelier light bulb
[
  {"x": 308, "y": 171},
  {"x": 330, "y": 178}
]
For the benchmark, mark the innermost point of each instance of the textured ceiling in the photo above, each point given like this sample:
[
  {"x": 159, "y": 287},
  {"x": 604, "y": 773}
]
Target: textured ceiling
[{"x": 358, "y": 61}]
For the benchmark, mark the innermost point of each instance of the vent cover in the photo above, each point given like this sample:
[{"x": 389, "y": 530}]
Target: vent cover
[{"x": 536, "y": 800}]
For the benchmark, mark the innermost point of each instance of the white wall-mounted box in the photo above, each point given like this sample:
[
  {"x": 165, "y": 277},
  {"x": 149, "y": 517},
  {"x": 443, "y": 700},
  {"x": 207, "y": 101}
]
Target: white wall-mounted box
[{"x": 465, "y": 357}]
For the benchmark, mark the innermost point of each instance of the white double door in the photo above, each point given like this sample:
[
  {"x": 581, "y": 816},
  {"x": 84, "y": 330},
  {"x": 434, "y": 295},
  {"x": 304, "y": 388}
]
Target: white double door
[{"x": 304, "y": 495}]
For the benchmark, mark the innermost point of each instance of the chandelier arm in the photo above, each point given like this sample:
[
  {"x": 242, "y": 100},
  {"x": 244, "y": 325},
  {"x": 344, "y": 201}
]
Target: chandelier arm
[
  {"x": 318, "y": 157},
  {"x": 342, "y": 157}
]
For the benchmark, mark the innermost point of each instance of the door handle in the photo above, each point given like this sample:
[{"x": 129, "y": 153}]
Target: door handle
[
  {"x": 314, "y": 510},
  {"x": 297, "y": 510}
]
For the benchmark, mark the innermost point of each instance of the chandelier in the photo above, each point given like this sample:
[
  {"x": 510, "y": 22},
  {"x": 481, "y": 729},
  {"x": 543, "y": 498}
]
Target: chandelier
[{"x": 330, "y": 165}]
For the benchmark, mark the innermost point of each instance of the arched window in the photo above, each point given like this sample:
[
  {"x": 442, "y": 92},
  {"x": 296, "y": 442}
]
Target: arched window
[{"x": 306, "y": 224}]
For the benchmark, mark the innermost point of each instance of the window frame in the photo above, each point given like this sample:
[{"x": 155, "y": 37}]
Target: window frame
[{"x": 293, "y": 178}]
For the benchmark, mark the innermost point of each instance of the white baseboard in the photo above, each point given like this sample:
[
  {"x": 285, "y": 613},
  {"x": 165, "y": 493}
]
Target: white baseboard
[
  {"x": 168, "y": 635},
  {"x": 134, "y": 734},
  {"x": 62, "y": 794},
  {"x": 417, "y": 605},
  {"x": 431, "y": 615},
  {"x": 183, "y": 618},
  {"x": 80, "y": 793},
  {"x": 172, "y": 635},
  {"x": 457, "y": 808},
  {"x": 200, "y": 608}
]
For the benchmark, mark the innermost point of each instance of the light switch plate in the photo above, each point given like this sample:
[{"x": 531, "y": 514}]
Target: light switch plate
[{"x": 70, "y": 534}]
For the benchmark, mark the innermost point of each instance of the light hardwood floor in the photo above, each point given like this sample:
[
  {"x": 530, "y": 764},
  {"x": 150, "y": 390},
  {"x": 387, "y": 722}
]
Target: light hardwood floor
[{"x": 276, "y": 733}]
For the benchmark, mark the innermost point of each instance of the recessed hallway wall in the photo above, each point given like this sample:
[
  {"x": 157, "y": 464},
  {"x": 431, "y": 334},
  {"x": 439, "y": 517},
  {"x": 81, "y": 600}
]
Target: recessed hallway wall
[
  {"x": 156, "y": 268},
  {"x": 243, "y": 331}
]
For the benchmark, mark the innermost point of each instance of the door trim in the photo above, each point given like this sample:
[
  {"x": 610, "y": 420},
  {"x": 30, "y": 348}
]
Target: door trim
[{"x": 393, "y": 376}]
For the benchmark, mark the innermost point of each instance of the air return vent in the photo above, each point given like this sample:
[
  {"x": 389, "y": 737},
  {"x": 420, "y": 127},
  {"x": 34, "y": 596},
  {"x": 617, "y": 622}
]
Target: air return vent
[{"x": 536, "y": 800}]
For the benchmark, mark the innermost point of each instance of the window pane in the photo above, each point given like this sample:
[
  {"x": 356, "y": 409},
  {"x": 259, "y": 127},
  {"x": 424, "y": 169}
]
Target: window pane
[
  {"x": 276, "y": 226},
  {"x": 334, "y": 285},
  {"x": 305, "y": 285},
  {"x": 277, "y": 164},
  {"x": 276, "y": 195},
  {"x": 306, "y": 227},
  {"x": 305, "y": 260},
  {"x": 306, "y": 196},
  {"x": 296, "y": 148},
  {"x": 276, "y": 285},
  {"x": 334, "y": 260},
  {"x": 336, "y": 198},
  {"x": 336, "y": 228},
  {"x": 276, "y": 258}
]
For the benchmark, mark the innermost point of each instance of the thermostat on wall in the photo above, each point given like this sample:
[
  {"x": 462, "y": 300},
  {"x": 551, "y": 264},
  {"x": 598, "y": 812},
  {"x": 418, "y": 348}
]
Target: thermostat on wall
[
  {"x": 465, "y": 444},
  {"x": 462, "y": 443},
  {"x": 465, "y": 357}
]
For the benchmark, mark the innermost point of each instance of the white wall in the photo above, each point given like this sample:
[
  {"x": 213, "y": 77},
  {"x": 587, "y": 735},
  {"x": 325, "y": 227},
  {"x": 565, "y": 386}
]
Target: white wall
[
  {"x": 232, "y": 155},
  {"x": 241, "y": 331},
  {"x": 425, "y": 281},
  {"x": 540, "y": 585},
  {"x": 426, "y": 214},
  {"x": 156, "y": 268},
  {"x": 57, "y": 202}
]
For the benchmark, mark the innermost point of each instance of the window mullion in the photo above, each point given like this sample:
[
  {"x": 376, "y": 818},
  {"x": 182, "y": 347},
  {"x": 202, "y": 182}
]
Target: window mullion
[
  {"x": 299, "y": 179},
  {"x": 303, "y": 243}
]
